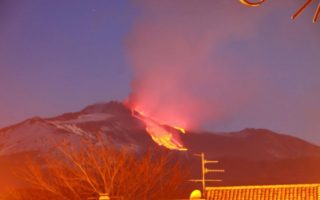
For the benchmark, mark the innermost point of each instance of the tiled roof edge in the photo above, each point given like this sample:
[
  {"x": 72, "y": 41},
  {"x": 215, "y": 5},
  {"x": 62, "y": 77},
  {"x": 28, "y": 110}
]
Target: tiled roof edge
[{"x": 263, "y": 186}]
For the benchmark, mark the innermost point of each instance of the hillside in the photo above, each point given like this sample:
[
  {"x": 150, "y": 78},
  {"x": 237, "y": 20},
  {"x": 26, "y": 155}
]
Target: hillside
[{"x": 250, "y": 156}]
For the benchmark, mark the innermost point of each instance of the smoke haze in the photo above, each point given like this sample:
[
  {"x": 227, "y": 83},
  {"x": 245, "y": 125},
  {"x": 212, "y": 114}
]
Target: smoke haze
[{"x": 221, "y": 66}]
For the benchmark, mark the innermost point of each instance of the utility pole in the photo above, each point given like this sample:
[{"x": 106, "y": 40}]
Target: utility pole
[{"x": 205, "y": 170}]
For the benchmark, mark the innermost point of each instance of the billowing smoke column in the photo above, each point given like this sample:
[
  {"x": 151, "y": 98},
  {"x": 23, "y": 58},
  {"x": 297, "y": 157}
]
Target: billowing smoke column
[
  {"x": 178, "y": 78},
  {"x": 222, "y": 65}
]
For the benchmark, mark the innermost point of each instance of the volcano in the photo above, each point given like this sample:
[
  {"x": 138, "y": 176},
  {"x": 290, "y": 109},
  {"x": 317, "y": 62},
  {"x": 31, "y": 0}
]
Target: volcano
[{"x": 250, "y": 156}]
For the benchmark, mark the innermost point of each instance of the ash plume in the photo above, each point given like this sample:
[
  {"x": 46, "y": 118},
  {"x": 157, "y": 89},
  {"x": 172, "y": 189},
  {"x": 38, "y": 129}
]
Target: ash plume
[{"x": 220, "y": 65}]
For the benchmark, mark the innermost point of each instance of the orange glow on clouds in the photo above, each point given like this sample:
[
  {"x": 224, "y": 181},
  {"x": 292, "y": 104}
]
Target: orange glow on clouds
[{"x": 175, "y": 123}]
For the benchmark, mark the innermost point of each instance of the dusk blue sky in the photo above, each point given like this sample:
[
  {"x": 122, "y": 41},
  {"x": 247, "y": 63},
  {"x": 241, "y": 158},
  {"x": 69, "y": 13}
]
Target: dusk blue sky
[{"x": 60, "y": 56}]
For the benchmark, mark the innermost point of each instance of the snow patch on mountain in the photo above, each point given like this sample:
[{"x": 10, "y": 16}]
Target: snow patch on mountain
[
  {"x": 91, "y": 117},
  {"x": 31, "y": 135}
]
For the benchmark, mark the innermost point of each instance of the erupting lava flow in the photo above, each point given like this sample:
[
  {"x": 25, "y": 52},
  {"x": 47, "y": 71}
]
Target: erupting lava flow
[{"x": 163, "y": 135}]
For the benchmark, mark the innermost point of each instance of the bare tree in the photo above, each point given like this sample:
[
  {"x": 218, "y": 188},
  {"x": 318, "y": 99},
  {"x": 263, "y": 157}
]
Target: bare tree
[{"x": 80, "y": 172}]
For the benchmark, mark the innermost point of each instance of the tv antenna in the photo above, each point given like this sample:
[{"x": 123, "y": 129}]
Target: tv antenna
[{"x": 205, "y": 170}]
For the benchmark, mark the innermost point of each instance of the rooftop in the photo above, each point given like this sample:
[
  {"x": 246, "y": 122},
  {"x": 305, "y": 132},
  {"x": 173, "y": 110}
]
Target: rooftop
[{"x": 265, "y": 192}]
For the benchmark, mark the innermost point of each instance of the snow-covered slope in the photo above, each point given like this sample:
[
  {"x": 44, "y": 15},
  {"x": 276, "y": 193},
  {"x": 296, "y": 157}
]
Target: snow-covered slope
[{"x": 111, "y": 120}]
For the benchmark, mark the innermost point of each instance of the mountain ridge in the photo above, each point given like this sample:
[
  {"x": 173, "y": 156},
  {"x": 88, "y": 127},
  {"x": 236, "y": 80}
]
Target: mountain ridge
[
  {"x": 250, "y": 156},
  {"x": 107, "y": 117}
]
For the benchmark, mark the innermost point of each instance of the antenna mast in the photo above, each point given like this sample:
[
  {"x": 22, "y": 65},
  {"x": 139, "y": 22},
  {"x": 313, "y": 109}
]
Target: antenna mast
[{"x": 205, "y": 170}]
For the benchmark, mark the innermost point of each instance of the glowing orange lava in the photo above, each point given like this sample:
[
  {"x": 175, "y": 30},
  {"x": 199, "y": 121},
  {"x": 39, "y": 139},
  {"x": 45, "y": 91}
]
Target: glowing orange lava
[
  {"x": 182, "y": 130},
  {"x": 163, "y": 135}
]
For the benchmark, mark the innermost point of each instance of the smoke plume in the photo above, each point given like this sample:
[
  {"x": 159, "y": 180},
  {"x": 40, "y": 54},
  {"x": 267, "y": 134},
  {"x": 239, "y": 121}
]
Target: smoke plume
[{"x": 218, "y": 64}]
